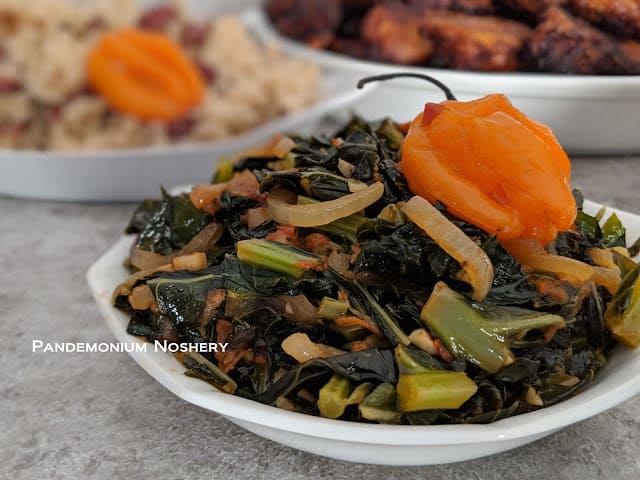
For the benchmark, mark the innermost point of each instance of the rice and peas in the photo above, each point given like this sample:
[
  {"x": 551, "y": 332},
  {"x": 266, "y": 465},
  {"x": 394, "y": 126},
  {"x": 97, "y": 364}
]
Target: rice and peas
[{"x": 47, "y": 104}]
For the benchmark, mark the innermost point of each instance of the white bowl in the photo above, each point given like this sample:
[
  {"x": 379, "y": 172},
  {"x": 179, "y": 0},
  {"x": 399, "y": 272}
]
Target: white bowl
[
  {"x": 135, "y": 174},
  {"x": 588, "y": 114},
  {"x": 618, "y": 381}
]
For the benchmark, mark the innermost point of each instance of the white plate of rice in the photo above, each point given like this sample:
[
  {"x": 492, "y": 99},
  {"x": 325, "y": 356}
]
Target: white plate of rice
[{"x": 61, "y": 141}]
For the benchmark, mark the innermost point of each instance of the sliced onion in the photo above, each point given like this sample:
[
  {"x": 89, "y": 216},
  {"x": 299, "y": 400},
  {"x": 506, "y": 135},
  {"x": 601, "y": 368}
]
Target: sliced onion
[
  {"x": 284, "y": 146},
  {"x": 300, "y": 347},
  {"x": 559, "y": 265},
  {"x": 356, "y": 185},
  {"x": 322, "y": 213},
  {"x": 296, "y": 308},
  {"x": 607, "y": 278},
  {"x": 192, "y": 261},
  {"x": 345, "y": 168},
  {"x": 603, "y": 257},
  {"x": 201, "y": 242},
  {"x": 473, "y": 260},
  {"x": 126, "y": 287}
]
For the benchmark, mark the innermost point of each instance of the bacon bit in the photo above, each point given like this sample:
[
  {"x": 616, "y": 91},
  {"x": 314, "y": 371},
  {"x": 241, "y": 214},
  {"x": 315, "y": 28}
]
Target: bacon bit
[
  {"x": 205, "y": 197},
  {"x": 230, "y": 358},
  {"x": 223, "y": 330},
  {"x": 370, "y": 341},
  {"x": 443, "y": 353},
  {"x": 310, "y": 265},
  {"x": 351, "y": 321},
  {"x": 336, "y": 142},
  {"x": 316, "y": 242},
  {"x": 243, "y": 184},
  {"x": 553, "y": 289},
  {"x": 285, "y": 234},
  {"x": 260, "y": 356},
  {"x": 340, "y": 262},
  {"x": 227, "y": 360},
  {"x": 215, "y": 298}
]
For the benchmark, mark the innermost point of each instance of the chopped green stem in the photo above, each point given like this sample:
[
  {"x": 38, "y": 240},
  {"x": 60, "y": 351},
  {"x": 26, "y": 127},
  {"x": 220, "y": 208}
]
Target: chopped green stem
[
  {"x": 380, "y": 405},
  {"x": 410, "y": 360},
  {"x": 224, "y": 171},
  {"x": 435, "y": 389},
  {"x": 336, "y": 395},
  {"x": 330, "y": 308},
  {"x": 481, "y": 337},
  {"x": 623, "y": 313},
  {"x": 278, "y": 257},
  {"x": 387, "y": 324},
  {"x": 200, "y": 367},
  {"x": 613, "y": 232}
]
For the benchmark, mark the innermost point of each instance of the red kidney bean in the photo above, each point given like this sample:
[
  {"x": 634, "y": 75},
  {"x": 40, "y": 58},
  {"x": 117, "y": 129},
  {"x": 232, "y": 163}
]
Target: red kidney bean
[
  {"x": 157, "y": 18},
  {"x": 194, "y": 34},
  {"x": 180, "y": 128},
  {"x": 207, "y": 71},
  {"x": 9, "y": 84}
]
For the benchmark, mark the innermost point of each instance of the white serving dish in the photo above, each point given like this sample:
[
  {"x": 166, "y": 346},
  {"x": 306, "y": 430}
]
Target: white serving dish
[
  {"x": 588, "y": 114},
  {"x": 618, "y": 381},
  {"x": 135, "y": 174}
]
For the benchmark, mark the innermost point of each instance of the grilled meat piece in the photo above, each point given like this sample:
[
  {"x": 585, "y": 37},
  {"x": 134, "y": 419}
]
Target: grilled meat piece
[
  {"x": 530, "y": 8},
  {"x": 565, "y": 44},
  {"x": 468, "y": 6},
  {"x": 312, "y": 21},
  {"x": 620, "y": 17},
  {"x": 354, "y": 47},
  {"x": 394, "y": 32},
  {"x": 468, "y": 42}
]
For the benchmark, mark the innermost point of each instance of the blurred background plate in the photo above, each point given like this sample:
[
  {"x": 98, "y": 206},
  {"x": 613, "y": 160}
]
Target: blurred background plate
[
  {"x": 135, "y": 174},
  {"x": 588, "y": 114}
]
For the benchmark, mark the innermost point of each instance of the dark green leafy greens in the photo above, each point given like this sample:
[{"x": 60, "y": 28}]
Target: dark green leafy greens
[
  {"x": 374, "y": 267},
  {"x": 166, "y": 225}
]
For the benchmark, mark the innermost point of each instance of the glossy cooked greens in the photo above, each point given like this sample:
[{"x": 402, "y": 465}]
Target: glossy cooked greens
[{"x": 372, "y": 297}]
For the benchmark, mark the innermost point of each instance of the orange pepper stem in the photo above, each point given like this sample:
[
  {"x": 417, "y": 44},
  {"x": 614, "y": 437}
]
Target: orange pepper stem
[{"x": 391, "y": 76}]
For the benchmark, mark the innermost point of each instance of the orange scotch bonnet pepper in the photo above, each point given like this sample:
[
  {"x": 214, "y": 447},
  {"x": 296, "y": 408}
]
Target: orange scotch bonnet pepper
[
  {"x": 144, "y": 74},
  {"x": 492, "y": 166}
]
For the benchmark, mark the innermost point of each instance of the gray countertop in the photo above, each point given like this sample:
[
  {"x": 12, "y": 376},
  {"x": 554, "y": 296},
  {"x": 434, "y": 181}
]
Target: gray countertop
[{"x": 79, "y": 416}]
